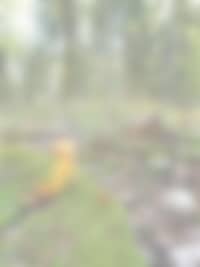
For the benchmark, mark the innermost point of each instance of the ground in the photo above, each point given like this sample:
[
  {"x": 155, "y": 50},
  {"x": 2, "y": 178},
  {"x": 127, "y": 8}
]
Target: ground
[
  {"x": 144, "y": 153},
  {"x": 77, "y": 228}
]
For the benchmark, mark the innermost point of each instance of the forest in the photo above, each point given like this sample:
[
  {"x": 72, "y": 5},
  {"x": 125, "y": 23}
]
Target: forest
[{"x": 101, "y": 97}]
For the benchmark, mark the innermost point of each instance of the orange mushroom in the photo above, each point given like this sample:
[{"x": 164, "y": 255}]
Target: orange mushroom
[{"x": 61, "y": 175}]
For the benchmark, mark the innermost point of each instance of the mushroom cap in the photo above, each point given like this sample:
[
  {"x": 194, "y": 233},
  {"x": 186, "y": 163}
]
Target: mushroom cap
[{"x": 64, "y": 147}]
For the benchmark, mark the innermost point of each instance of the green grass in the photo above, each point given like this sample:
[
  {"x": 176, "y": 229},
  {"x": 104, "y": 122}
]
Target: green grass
[{"x": 76, "y": 230}]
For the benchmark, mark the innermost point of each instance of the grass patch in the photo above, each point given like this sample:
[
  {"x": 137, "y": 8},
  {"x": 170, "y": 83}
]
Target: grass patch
[{"x": 76, "y": 230}]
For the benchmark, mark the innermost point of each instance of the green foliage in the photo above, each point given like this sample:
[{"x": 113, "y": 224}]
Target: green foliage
[{"x": 158, "y": 51}]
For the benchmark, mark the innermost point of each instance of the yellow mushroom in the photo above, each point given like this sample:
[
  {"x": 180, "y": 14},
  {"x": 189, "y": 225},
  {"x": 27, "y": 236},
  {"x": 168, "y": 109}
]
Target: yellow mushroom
[{"x": 62, "y": 173}]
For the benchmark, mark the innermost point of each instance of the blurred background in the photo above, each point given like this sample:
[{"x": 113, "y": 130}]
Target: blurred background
[{"x": 122, "y": 79}]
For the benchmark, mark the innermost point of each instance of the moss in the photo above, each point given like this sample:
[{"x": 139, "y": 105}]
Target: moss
[{"x": 75, "y": 230}]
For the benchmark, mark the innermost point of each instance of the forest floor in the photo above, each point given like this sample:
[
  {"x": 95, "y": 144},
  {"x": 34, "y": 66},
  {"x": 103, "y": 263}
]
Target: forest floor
[{"x": 146, "y": 155}]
